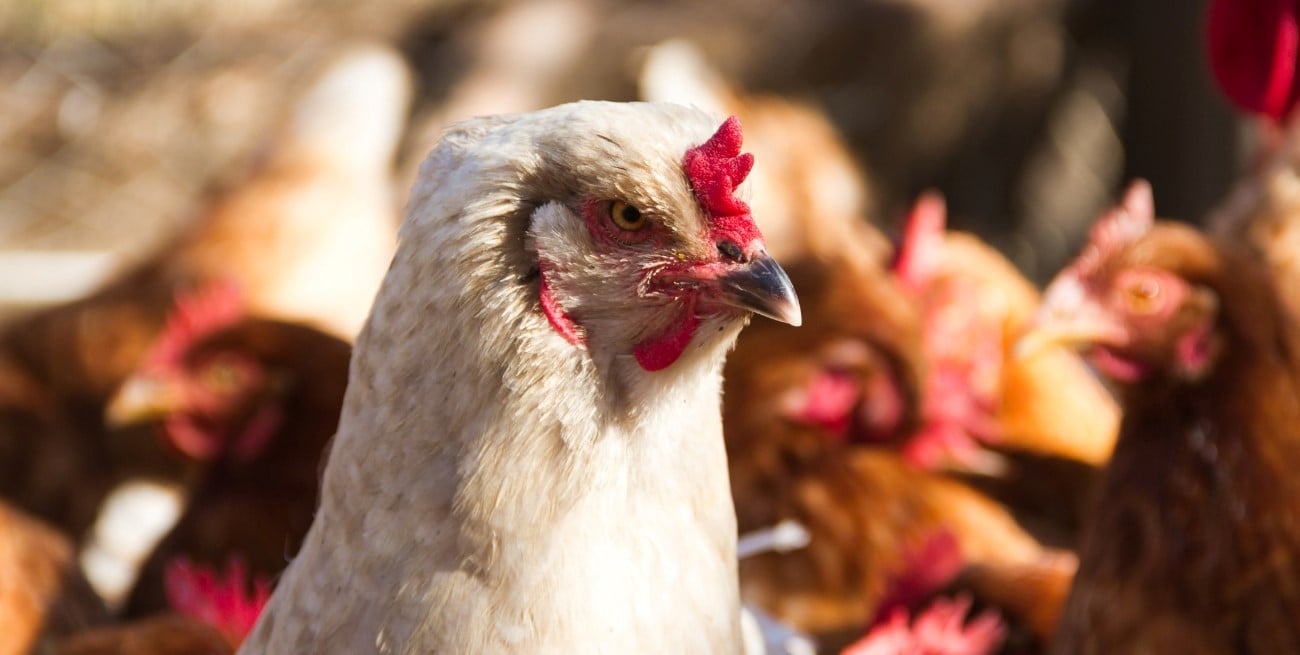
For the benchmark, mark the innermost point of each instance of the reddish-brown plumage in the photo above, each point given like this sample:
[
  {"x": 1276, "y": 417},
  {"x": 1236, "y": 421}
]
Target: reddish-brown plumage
[
  {"x": 161, "y": 635},
  {"x": 42, "y": 593},
  {"x": 1193, "y": 541}
]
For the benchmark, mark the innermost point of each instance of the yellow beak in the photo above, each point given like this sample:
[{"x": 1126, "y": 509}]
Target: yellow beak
[
  {"x": 1042, "y": 335},
  {"x": 142, "y": 399}
]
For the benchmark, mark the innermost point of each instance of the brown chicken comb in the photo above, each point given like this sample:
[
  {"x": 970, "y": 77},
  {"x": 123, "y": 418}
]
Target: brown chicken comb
[
  {"x": 1252, "y": 47},
  {"x": 715, "y": 168},
  {"x": 196, "y": 314}
]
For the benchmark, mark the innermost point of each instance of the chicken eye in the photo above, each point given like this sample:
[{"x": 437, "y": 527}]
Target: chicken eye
[
  {"x": 222, "y": 377},
  {"x": 626, "y": 217},
  {"x": 1144, "y": 296}
]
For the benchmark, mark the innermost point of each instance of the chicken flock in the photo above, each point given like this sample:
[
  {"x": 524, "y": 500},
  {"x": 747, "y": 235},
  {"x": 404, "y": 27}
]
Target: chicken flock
[{"x": 538, "y": 417}]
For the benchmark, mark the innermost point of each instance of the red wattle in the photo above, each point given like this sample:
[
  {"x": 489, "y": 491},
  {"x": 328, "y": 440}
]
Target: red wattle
[
  {"x": 560, "y": 321},
  {"x": 257, "y": 434},
  {"x": 658, "y": 353},
  {"x": 190, "y": 439},
  {"x": 1116, "y": 367}
]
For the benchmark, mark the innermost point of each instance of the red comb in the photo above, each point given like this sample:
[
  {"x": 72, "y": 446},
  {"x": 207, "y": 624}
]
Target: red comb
[
  {"x": 1252, "y": 50},
  {"x": 224, "y": 603},
  {"x": 926, "y": 569},
  {"x": 920, "y": 250},
  {"x": 197, "y": 314},
  {"x": 715, "y": 168},
  {"x": 942, "y": 629},
  {"x": 1117, "y": 227}
]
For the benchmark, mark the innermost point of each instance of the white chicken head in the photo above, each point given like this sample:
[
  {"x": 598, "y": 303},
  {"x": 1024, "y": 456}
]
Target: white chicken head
[
  {"x": 612, "y": 226},
  {"x": 646, "y": 246},
  {"x": 622, "y": 226}
]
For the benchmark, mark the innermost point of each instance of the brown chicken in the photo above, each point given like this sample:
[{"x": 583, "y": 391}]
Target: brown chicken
[
  {"x": 307, "y": 235},
  {"x": 863, "y": 508},
  {"x": 1193, "y": 540},
  {"x": 920, "y": 359},
  {"x": 43, "y": 446},
  {"x": 42, "y": 593},
  {"x": 256, "y": 403}
]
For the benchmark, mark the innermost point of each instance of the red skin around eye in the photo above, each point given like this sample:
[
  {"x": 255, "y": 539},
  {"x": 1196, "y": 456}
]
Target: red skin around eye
[{"x": 604, "y": 231}]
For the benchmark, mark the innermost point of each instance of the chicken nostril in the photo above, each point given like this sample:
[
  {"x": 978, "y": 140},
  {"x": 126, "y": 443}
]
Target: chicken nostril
[{"x": 731, "y": 251}]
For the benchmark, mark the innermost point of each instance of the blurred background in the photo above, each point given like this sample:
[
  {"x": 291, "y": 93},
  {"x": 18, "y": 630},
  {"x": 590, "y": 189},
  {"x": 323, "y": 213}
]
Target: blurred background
[{"x": 118, "y": 117}]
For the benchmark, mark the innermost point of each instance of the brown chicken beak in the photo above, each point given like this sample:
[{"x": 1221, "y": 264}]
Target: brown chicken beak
[
  {"x": 761, "y": 286},
  {"x": 140, "y": 400}
]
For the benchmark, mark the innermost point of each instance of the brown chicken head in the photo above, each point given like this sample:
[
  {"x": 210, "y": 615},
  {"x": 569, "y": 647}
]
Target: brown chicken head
[
  {"x": 1141, "y": 312},
  {"x": 210, "y": 398}
]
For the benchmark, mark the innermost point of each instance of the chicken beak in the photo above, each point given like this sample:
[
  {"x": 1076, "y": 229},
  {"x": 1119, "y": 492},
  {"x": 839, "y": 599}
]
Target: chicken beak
[
  {"x": 1068, "y": 317},
  {"x": 140, "y": 400},
  {"x": 1072, "y": 324},
  {"x": 1074, "y": 334},
  {"x": 761, "y": 286}
]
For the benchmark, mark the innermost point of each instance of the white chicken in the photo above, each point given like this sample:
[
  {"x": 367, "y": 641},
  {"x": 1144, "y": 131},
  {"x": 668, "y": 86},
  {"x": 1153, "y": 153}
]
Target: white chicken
[{"x": 530, "y": 455}]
